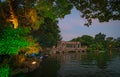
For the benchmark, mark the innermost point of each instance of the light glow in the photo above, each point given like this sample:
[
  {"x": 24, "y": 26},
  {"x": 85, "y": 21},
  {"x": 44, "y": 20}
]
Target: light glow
[{"x": 34, "y": 62}]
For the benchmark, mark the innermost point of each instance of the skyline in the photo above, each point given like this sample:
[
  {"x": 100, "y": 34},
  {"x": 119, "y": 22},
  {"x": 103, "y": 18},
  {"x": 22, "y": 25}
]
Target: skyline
[{"x": 72, "y": 26}]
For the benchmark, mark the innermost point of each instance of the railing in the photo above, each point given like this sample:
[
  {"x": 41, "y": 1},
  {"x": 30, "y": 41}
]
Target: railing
[{"x": 68, "y": 49}]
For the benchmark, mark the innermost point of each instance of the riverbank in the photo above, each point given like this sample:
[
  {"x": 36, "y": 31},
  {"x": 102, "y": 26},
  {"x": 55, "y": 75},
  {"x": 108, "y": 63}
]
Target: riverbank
[{"x": 28, "y": 65}]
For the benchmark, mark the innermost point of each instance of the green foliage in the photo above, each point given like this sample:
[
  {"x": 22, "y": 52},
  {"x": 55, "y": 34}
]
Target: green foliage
[
  {"x": 96, "y": 46},
  {"x": 99, "y": 42},
  {"x": 90, "y": 9},
  {"x": 110, "y": 42},
  {"x": 100, "y": 37},
  {"x": 42, "y": 9},
  {"x": 117, "y": 43},
  {"x": 4, "y": 71},
  {"x": 92, "y": 47},
  {"x": 85, "y": 40},
  {"x": 48, "y": 33},
  {"x": 103, "y": 10},
  {"x": 12, "y": 40}
]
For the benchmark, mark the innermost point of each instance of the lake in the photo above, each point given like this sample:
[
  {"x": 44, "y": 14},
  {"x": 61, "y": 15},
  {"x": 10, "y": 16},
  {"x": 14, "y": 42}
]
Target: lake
[{"x": 80, "y": 64}]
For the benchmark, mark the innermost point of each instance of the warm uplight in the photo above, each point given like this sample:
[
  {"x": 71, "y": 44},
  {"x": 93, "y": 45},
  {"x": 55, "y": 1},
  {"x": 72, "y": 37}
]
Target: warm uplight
[
  {"x": 34, "y": 62},
  {"x": 13, "y": 18}
]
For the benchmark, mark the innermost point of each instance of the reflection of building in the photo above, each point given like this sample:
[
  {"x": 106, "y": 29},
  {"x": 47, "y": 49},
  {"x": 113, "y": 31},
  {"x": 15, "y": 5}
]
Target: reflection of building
[
  {"x": 64, "y": 46},
  {"x": 70, "y": 64}
]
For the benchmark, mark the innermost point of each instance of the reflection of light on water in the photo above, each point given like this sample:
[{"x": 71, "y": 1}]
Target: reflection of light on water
[{"x": 34, "y": 62}]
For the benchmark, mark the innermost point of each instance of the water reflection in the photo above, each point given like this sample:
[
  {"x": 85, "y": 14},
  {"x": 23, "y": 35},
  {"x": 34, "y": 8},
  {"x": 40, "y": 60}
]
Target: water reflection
[
  {"x": 89, "y": 64},
  {"x": 50, "y": 67}
]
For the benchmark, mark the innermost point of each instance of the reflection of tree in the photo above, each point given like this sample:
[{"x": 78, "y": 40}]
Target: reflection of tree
[
  {"x": 50, "y": 66},
  {"x": 69, "y": 57},
  {"x": 100, "y": 59},
  {"x": 88, "y": 58}
]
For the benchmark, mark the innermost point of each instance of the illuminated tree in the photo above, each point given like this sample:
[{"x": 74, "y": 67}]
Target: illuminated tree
[
  {"x": 31, "y": 13},
  {"x": 26, "y": 11}
]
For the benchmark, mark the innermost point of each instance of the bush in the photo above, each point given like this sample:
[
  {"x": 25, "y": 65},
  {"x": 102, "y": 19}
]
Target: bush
[
  {"x": 12, "y": 40},
  {"x": 4, "y": 71}
]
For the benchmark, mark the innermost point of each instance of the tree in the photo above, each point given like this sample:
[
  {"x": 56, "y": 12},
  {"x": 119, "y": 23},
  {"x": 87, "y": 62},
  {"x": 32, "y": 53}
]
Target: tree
[
  {"x": 87, "y": 40},
  {"x": 109, "y": 42},
  {"x": 117, "y": 43},
  {"x": 84, "y": 40},
  {"x": 103, "y": 10},
  {"x": 100, "y": 41},
  {"x": 31, "y": 13},
  {"x": 48, "y": 34},
  {"x": 100, "y": 37}
]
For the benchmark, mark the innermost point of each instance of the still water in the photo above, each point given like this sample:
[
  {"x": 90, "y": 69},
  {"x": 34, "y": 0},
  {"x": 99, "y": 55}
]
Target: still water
[{"x": 81, "y": 64}]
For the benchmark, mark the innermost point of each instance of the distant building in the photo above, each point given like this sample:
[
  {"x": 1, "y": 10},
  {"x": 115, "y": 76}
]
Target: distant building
[{"x": 64, "y": 46}]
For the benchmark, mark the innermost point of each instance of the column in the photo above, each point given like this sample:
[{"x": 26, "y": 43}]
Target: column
[{"x": 80, "y": 45}]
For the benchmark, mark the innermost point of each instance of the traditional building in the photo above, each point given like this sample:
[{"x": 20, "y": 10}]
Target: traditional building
[{"x": 65, "y": 46}]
